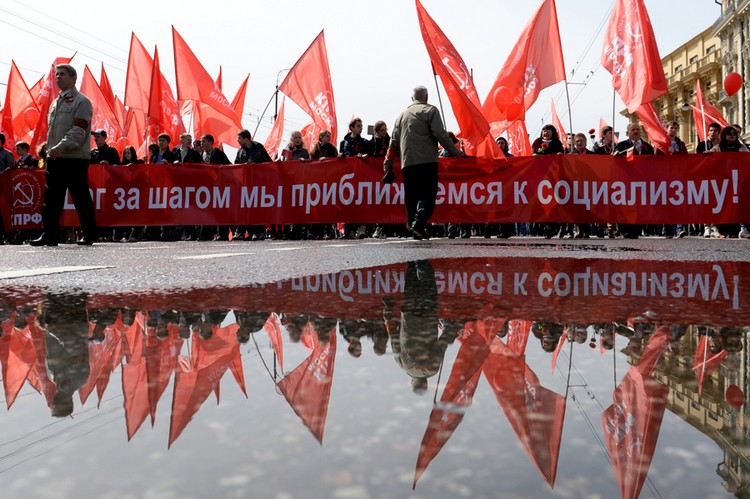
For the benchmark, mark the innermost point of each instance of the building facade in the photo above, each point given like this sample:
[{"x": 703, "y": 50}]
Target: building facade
[{"x": 733, "y": 29}]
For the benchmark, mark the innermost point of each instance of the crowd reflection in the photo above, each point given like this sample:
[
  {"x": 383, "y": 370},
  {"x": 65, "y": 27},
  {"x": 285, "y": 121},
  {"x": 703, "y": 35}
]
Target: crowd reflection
[{"x": 63, "y": 345}]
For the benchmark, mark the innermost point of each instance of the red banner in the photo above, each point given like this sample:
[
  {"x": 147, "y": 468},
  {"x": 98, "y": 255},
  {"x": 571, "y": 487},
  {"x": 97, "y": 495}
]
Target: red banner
[
  {"x": 568, "y": 290},
  {"x": 564, "y": 188}
]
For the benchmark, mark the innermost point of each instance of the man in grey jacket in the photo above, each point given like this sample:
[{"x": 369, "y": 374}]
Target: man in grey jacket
[
  {"x": 69, "y": 142},
  {"x": 415, "y": 138}
]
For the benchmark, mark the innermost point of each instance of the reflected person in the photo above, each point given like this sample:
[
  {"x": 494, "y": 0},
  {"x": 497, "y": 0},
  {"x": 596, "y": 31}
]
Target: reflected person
[
  {"x": 66, "y": 330},
  {"x": 420, "y": 346}
]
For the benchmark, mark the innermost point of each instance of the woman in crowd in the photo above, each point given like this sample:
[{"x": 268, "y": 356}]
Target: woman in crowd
[
  {"x": 130, "y": 157},
  {"x": 548, "y": 142},
  {"x": 324, "y": 148},
  {"x": 295, "y": 149}
]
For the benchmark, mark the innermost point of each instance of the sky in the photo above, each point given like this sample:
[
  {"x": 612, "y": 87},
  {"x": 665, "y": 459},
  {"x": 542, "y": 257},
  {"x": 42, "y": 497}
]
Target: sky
[{"x": 375, "y": 49}]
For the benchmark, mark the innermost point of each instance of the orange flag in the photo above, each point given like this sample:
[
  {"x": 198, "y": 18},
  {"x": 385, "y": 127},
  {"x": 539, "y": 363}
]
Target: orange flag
[
  {"x": 48, "y": 92},
  {"x": 163, "y": 114},
  {"x": 221, "y": 346},
  {"x": 17, "y": 356},
  {"x": 704, "y": 113},
  {"x": 308, "y": 387},
  {"x": 138, "y": 79},
  {"x": 655, "y": 129},
  {"x": 20, "y": 113},
  {"x": 194, "y": 83},
  {"x": 457, "y": 395},
  {"x": 557, "y": 123},
  {"x": 459, "y": 86},
  {"x": 135, "y": 395},
  {"x": 103, "y": 356},
  {"x": 518, "y": 139},
  {"x": 273, "y": 142},
  {"x": 631, "y": 56},
  {"x": 535, "y": 413},
  {"x": 535, "y": 63},
  {"x": 308, "y": 84},
  {"x": 104, "y": 116}
]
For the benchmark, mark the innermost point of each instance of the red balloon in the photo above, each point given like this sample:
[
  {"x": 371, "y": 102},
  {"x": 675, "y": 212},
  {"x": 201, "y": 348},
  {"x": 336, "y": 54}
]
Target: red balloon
[
  {"x": 502, "y": 98},
  {"x": 514, "y": 111},
  {"x": 735, "y": 397},
  {"x": 31, "y": 117},
  {"x": 732, "y": 83}
]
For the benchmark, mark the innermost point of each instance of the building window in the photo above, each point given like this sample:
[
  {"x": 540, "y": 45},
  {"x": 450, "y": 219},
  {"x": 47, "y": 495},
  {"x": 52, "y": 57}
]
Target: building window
[
  {"x": 678, "y": 68},
  {"x": 710, "y": 49},
  {"x": 694, "y": 59},
  {"x": 713, "y": 416},
  {"x": 679, "y": 396}
]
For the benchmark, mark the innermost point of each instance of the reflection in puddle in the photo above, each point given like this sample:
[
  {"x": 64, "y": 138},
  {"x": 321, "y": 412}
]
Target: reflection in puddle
[{"x": 457, "y": 329}]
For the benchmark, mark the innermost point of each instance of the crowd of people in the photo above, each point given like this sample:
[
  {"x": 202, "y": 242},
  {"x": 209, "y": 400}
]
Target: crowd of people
[{"x": 380, "y": 144}]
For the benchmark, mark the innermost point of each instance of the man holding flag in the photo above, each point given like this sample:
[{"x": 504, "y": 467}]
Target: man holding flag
[{"x": 415, "y": 138}]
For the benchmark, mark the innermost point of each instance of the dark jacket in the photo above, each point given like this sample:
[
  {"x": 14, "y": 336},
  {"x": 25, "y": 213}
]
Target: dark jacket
[
  {"x": 216, "y": 157},
  {"x": 379, "y": 147},
  {"x": 256, "y": 153},
  {"x": 599, "y": 148},
  {"x": 623, "y": 146},
  {"x": 681, "y": 147},
  {"x": 105, "y": 153},
  {"x": 167, "y": 156},
  {"x": 27, "y": 161},
  {"x": 290, "y": 153},
  {"x": 352, "y": 146},
  {"x": 320, "y": 151},
  {"x": 553, "y": 147},
  {"x": 191, "y": 156}
]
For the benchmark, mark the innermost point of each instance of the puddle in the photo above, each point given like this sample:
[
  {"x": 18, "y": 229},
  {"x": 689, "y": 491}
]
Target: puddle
[{"x": 480, "y": 377}]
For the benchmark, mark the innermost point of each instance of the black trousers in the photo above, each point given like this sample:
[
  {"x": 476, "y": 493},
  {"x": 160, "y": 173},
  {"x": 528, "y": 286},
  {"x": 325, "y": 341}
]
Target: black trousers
[
  {"x": 66, "y": 174},
  {"x": 420, "y": 191}
]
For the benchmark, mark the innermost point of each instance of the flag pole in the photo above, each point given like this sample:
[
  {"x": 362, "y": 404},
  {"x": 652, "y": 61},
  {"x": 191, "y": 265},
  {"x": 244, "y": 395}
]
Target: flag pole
[
  {"x": 275, "y": 93},
  {"x": 440, "y": 101},
  {"x": 614, "y": 95},
  {"x": 570, "y": 114}
]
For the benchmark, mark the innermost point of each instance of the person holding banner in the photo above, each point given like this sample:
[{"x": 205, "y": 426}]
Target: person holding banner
[
  {"x": 638, "y": 147},
  {"x": 416, "y": 135},
  {"x": 714, "y": 129},
  {"x": 69, "y": 140}
]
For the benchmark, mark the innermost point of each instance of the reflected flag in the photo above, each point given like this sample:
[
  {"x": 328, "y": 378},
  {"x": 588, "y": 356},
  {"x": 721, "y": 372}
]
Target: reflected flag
[
  {"x": 536, "y": 414},
  {"x": 307, "y": 388},
  {"x": 457, "y": 395},
  {"x": 706, "y": 362}
]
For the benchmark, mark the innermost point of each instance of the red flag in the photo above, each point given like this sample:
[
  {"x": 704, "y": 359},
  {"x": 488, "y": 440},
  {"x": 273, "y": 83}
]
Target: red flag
[
  {"x": 631, "y": 429},
  {"x": 138, "y": 79},
  {"x": 161, "y": 362},
  {"x": 103, "y": 356},
  {"x": 556, "y": 353},
  {"x": 655, "y": 349},
  {"x": 458, "y": 84},
  {"x": 535, "y": 413},
  {"x": 219, "y": 81},
  {"x": 20, "y": 113},
  {"x": 704, "y": 113},
  {"x": 308, "y": 387},
  {"x": 163, "y": 112},
  {"x": 602, "y": 124},
  {"x": 238, "y": 103},
  {"x": 558, "y": 124},
  {"x": 308, "y": 84},
  {"x": 535, "y": 63},
  {"x": 706, "y": 362},
  {"x": 48, "y": 92},
  {"x": 630, "y": 54},
  {"x": 518, "y": 139},
  {"x": 36, "y": 89},
  {"x": 104, "y": 116},
  {"x": 135, "y": 395},
  {"x": 457, "y": 396},
  {"x": 273, "y": 329},
  {"x": 106, "y": 88},
  {"x": 273, "y": 142},
  {"x": 221, "y": 346},
  {"x": 518, "y": 335},
  {"x": 135, "y": 130},
  {"x": 191, "y": 388},
  {"x": 17, "y": 356},
  {"x": 655, "y": 128},
  {"x": 194, "y": 83}
]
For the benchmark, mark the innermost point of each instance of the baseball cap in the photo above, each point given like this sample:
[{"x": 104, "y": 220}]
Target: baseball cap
[{"x": 101, "y": 132}]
